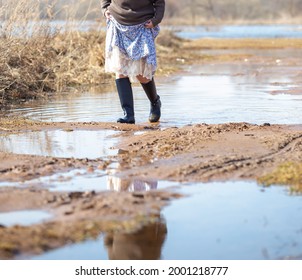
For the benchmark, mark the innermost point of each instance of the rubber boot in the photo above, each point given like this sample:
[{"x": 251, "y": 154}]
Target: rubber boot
[
  {"x": 125, "y": 93},
  {"x": 150, "y": 90}
]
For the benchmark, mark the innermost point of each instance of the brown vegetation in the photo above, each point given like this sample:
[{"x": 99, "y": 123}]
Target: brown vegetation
[
  {"x": 50, "y": 63},
  {"x": 288, "y": 174},
  {"x": 36, "y": 59}
]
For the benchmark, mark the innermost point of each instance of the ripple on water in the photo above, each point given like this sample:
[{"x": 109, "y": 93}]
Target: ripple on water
[{"x": 217, "y": 93}]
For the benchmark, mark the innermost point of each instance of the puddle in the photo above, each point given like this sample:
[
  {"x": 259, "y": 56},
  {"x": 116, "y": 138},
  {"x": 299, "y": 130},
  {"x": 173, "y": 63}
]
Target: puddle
[
  {"x": 23, "y": 218},
  {"x": 233, "y": 220},
  {"x": 146, "y": 244},
  {"x": 76, "y": 144},
  {"x": 207, "y": 93},
  {"x": 90, "y": 250},
  {"x": 98, "y": 182},
  {"x": 82, "y": 181},
  {"x": 235, "y": 93},
  {"x": 8, "y": 184}
]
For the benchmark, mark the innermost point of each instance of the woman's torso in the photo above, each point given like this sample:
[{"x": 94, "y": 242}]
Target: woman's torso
[{"x": 131, "y": 12}]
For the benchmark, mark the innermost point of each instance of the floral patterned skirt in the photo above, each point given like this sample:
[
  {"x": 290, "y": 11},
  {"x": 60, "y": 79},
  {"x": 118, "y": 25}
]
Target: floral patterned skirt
[{"x": 130, "y": 50}]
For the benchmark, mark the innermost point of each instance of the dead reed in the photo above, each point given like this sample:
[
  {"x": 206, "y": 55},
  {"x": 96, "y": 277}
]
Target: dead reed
[{"x": 36, "y": 58}]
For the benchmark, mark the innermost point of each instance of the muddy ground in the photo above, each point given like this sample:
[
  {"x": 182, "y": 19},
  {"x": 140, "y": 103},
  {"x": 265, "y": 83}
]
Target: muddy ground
[{"x": 193, "y": 153}]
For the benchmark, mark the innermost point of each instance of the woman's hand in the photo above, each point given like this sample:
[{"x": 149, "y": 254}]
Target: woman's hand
[
  {"x": 107, "y": 14},
  {"x": 149, "y": 24}
]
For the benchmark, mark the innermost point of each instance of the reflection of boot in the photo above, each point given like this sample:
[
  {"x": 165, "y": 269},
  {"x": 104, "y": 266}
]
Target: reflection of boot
[
  {"x": 124, "y": 90},
  {"x": 150, "y": 90}
]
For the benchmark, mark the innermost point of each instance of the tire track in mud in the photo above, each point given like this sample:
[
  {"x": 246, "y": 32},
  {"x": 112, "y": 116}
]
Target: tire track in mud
[
  {"x": 207, "y": 157},
  {"x": 229, "y": 165}
]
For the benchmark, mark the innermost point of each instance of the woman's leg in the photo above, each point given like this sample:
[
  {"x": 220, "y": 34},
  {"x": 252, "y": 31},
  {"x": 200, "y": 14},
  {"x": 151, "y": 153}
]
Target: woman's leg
[
  {"x": 125, "y": 94},
  {"x": 151, "y": 92}
]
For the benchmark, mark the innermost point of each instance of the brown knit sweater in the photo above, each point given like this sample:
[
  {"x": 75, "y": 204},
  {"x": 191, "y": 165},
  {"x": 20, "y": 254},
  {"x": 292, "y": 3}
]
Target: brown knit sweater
[{"x": 131, "y": 12}]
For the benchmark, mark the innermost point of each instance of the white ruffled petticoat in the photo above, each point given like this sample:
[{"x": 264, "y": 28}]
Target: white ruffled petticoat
[{"x": 130, "y": 50}]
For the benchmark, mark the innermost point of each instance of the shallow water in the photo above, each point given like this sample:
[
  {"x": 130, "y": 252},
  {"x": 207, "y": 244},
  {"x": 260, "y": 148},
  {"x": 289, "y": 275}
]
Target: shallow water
[
  {"x": 189, "y": 32},
  {"x": 59, "y": 143},
  {"x": 241, "y": 31},
  {"x": 232, "y": 220},
  {"x": 216, "y": 93},
  {"x": 81, "y": 181},
  {"x": 23, "y": 218}
]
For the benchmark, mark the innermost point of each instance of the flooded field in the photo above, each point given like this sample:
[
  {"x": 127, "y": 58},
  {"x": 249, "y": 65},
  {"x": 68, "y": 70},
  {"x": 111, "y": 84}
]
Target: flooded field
[
  {"x": 194, "y": 32},
  {"x": 88, "y": 188},
  {"x": 241, "y": 31},
  {"x": 250, "y": 91}
]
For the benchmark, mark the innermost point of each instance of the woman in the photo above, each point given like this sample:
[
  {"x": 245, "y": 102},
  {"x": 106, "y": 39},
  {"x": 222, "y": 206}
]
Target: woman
[{"x": 132, "y": 26}]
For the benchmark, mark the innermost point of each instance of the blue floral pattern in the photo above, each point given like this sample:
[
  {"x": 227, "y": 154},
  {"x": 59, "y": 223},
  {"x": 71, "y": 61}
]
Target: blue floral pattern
[{"x": 135, "y": 41}]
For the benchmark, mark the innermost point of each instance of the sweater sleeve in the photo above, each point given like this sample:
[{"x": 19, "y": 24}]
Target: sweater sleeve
[
  {"x": 159, "y": 6},
  {"x": 104, "y": 5}
]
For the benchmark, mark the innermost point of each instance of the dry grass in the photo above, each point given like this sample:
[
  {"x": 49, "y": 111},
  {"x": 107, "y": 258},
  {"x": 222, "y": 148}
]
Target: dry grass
[
  {"x": 48, "y": 61},
  {"x": 36, "y": 59},
  {"x": 43, "y": 60},
  {"x": 289, "y": 174}
]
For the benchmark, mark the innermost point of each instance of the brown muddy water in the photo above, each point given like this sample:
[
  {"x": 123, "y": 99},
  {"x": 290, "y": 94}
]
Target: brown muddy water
[{"x": 215, "y": 221}]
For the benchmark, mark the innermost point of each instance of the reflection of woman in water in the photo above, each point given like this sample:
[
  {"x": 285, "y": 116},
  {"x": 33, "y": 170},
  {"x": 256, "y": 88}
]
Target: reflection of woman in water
[
  {"x": 146, "y": 244},
  {"x": 120, "y": 184}
]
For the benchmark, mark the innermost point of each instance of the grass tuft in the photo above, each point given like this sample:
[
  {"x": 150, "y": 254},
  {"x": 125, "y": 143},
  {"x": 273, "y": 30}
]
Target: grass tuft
[{"x": 289, "y": 174}]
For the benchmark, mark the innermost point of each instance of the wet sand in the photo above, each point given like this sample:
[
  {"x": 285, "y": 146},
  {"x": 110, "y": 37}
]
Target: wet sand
[{"x": 191, "y": 153}]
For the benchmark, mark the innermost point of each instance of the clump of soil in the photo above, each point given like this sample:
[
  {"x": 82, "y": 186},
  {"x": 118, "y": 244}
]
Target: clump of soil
[{"x": 191, "y": 153}]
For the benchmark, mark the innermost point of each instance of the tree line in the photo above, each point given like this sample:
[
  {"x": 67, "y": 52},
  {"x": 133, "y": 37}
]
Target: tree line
[{"x": 184, "y": 11}]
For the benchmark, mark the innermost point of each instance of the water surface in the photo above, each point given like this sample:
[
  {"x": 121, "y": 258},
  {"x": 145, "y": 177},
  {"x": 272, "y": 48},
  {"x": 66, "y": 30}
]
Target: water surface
[
  {"x": 240, "y": 31},
  {"x": 82, "y": 181},
  {"x": 23, "y": 218},
  {"x": 232, "y": 220},
  {"x": 59, "y": 143},
  {"x": 212, "y": 93},
  {"x": 188, "y": 32}
]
